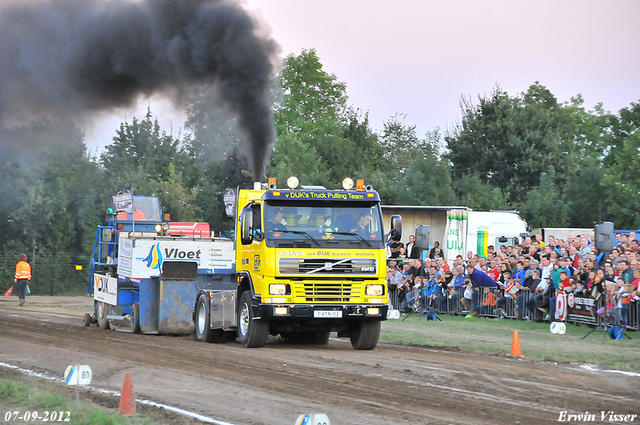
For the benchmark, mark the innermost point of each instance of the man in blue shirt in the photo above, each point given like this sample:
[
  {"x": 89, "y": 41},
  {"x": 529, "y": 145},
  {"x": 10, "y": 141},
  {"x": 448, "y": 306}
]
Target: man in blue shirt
[{"x": 479, "y": 279}]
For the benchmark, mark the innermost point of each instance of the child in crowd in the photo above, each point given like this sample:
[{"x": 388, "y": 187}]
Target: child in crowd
[
  {"x": 636, "y": 279},
  {"x": 564, "y": 282},
  {"x": 416, "y": 290},
  {"x": 608, "y": 311},
  {"x": 467, "y": 299},
  {"x": 510, "y": 290},
  {"x": 519, "y": 278},
  {"x": 625, "y": 300}
]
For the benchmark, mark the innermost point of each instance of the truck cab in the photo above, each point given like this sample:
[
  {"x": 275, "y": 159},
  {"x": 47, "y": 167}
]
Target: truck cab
[{"x": 310, "y": 261}]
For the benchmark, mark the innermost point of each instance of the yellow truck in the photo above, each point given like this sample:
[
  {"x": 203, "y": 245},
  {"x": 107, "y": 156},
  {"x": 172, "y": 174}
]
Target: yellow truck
[{"x": 309, "y": 261}]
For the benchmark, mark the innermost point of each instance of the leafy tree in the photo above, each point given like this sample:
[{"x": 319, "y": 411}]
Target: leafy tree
[
  {"x": 320, "y": 139},
  {"x": 508, "y": 142},
  {"x": 151, "y": 160},
  {"x": 232, "y": 172},
  {"x": 584, "y": 192},
  {"x": 141, "y": 154},
  {"x": 33, "y": 217},
  {"x": 413, "y": 171},
  {"x": 177, "y": 200},
  {"x": 314, "y": 101},
  {"x": 544, "y": 205},
  {"x": 621, "y": 181},
  {"x": 475, "y": 194}
]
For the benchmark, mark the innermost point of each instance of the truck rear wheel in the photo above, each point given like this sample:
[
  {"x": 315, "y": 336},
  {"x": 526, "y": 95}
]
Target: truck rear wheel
[
  {"x": 252, "y": 333},
  {"x": 364, "y": 335},
  {"x": 202, "y": 318},
  {"x": 102, "y": 310}
]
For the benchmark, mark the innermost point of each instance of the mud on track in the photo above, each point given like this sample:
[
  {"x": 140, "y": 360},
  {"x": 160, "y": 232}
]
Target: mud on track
[{"x": 393, "y": 384}]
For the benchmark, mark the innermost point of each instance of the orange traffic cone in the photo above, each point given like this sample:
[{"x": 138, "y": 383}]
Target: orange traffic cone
[
  {"x": 515, "y": 345},
  {"x": 127, "y": 397}
]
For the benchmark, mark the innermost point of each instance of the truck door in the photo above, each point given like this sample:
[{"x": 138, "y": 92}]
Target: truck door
[{"x": 255, "y": 251}]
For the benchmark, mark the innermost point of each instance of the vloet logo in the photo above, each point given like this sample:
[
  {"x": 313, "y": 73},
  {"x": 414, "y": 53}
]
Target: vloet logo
[
  {"x": 154, "y": 259},
  {"x": 176, "y": 253}
]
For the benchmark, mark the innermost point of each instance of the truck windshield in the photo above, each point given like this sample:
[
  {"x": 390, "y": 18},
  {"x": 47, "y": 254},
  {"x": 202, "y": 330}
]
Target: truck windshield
[
  {"x": 327, "y": 225},
  {"x": 145, "y": 208}
]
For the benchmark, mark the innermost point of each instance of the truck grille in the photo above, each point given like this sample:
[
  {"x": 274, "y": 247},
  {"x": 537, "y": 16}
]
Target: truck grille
[
  {"x": 328, "y": 292},
  {"x": 327, "y": 266}
]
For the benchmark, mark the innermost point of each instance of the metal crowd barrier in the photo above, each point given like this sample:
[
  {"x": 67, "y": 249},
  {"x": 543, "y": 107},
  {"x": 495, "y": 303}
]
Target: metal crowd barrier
[
  {"x": 581, "y": 310},
  {"x": 633, "y": 316}
]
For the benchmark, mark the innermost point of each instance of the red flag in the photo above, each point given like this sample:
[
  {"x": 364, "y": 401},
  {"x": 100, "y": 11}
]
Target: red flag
[{"x": 6, "y": 294}]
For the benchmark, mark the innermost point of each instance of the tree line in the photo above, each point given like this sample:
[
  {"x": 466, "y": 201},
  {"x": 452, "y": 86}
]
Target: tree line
[{"x": 557, "y": 163}]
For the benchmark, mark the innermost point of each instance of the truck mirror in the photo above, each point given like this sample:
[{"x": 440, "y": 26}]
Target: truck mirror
[
  {"x": 503, "y": 239},
  {"x": 422, "y": 237},
  {"x": 604, "y": 236},
  {"x": 246, "y": 223},
  {"x": 396, "y": 227}
]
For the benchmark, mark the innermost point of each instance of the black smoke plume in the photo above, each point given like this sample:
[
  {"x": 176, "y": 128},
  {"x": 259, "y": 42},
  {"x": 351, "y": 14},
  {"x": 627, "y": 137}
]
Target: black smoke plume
[{"x": 72, "y": 58}]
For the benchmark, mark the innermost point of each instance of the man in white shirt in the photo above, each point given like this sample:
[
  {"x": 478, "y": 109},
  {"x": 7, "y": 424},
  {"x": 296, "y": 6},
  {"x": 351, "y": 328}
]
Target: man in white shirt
[{"x": 545, "y": 268}]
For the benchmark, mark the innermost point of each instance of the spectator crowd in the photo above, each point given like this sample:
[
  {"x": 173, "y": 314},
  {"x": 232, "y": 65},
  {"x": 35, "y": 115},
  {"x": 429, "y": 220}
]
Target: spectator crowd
[{"x": 520, "y": 281}]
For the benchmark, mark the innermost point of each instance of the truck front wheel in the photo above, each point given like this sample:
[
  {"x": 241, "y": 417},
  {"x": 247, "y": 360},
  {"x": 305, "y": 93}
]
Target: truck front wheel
[
  {"x": 364, "y": 335},
  {"x": 252, "y": 333}
]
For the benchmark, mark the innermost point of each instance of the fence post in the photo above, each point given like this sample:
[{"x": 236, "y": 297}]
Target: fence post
[{"x": 52, "y": 278}]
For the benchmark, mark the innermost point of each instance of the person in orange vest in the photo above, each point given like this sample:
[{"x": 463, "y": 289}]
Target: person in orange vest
[
  {"x": 23, "y": 277},
  {"x": 137, "y": 215}
]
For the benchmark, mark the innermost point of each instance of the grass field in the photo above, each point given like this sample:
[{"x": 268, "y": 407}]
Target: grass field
[
  {"x": 27, "y": 398},
  {"x": 536, "y": 341},
  {"x": 22, "y": 395}
]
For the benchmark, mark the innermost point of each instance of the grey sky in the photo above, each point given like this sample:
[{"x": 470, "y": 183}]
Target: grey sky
[{"x": 418, "y": 57}]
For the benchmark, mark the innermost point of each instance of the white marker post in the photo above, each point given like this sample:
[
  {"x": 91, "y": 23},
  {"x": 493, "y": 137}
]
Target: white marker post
[
  {"x": 78, "y": 375},
  {"x": 313, "y": 419}
]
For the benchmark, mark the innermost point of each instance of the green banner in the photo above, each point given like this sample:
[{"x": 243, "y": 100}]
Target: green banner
[{"x": 483, "y": 243}]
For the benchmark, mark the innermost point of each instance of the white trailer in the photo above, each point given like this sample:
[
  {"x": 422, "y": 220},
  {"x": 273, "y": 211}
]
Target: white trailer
[
  {"x": 460, "y": 229},
  {"x": 561, "y": 232}
]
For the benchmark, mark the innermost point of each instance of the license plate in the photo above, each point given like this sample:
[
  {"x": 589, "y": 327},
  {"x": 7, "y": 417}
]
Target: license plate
[{"x": 329, "y": 314}]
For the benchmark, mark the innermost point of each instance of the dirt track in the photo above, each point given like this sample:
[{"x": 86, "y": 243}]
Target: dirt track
[{"x": 393, "y": 384}]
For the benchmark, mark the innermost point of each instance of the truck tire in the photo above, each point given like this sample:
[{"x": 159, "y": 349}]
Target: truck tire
[
  {"x": 364, "y": 335},
  {"x": 135, "y": 318},
  {"x": 320, "y": 338},
  {"x": 102, "y": 310},
  {"x": 252, "y": 333},
  {"x": 87, "y": 320},
  {"x": 203, "y": 319}
]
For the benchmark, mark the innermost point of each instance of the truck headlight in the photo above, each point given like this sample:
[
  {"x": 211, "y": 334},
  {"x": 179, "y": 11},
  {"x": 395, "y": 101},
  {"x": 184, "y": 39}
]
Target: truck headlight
[
  {"x": 277, "y": 289},
  {"x": 374, "y": 290}
]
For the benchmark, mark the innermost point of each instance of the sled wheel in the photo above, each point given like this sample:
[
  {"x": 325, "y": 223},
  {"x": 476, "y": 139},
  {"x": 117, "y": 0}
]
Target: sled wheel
[
  {"x": 135, "y": 318},
  {"x": 102, "y": 310}
]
